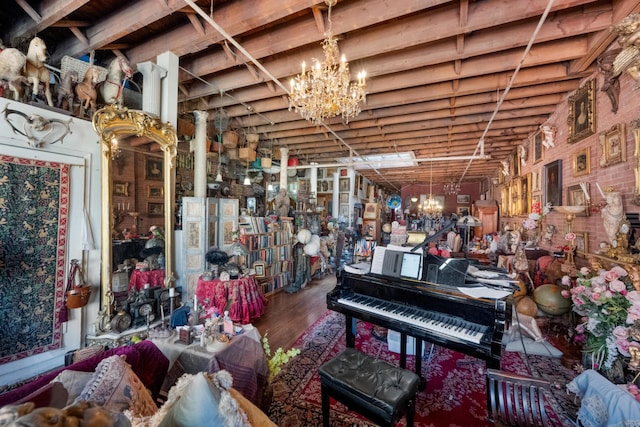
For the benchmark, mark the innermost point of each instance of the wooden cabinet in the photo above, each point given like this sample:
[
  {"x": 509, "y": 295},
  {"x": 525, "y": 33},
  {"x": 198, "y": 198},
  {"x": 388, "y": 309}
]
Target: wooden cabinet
[{"x": 487, "y": 212}]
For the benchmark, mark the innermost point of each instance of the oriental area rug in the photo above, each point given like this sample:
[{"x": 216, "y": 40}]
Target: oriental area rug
[
  {"x": 34, "y": 205},
  {"x": 455, "y": 394}
]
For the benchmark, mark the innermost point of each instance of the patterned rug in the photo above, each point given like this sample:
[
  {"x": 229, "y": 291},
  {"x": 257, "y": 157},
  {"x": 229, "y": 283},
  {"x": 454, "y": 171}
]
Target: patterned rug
[
  {"x": 455, "y": 394},
  {"x": 34, "y": 205}
]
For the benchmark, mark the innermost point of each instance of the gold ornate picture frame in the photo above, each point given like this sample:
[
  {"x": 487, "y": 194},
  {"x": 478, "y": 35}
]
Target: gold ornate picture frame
[
  {"x": 538, "y": 148},
  {"x": 581, "y": 162},
  {"x": 582, "y": 113},
  {"x": 120, "y": 188},
  {"x": 576, "y": 197},
  {"x": 613, "y": 143},
  {"x": 582, "y": 243}
]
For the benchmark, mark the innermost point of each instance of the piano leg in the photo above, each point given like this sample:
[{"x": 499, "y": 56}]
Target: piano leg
[
  {"x": 403, "y": 351},
  {"x": 351, "y": 337}
]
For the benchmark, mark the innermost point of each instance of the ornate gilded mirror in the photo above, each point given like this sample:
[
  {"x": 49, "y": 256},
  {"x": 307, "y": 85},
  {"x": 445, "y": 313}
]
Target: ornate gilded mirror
[{"x": 120, "y": 128}]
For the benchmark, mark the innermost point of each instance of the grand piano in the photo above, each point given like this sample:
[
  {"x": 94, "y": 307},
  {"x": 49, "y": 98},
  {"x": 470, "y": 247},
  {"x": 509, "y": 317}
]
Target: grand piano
[{"x": 438, "y": 313}]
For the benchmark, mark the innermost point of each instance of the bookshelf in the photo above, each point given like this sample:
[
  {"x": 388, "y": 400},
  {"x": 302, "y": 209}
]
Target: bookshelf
[{"x": 269, "y": 245}]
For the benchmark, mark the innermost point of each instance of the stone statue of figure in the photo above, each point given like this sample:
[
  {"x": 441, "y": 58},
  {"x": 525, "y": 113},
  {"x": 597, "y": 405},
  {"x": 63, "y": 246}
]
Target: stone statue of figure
[
  {"x": 282, "y": 203},
  {"x": 613, "y": 214}
]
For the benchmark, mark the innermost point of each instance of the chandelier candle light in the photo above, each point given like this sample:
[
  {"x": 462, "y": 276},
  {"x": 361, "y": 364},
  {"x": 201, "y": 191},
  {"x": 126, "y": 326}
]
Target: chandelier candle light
[{"x": 326, "y": 90}]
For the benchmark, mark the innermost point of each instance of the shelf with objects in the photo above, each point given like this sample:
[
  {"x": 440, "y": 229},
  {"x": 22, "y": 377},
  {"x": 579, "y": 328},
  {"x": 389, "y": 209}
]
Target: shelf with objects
[{"x": 268, "y": 243}]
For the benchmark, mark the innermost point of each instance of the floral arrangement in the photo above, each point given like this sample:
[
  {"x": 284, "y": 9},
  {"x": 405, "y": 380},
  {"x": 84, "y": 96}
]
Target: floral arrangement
[
  {"x": 279, "y": 358},
  {"x": 537, "y": 215},
  {"x": 610, "y": 306}
]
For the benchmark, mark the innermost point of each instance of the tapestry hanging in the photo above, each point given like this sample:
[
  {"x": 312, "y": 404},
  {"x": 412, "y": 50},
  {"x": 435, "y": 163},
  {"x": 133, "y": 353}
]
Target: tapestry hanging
[{"x": 34, "y": 209}]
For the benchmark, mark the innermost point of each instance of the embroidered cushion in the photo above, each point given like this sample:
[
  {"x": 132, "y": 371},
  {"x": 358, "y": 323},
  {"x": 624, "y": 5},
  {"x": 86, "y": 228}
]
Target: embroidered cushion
[
  {"x": 116, "y": 387},
  {"x": 74, "y": 382}
]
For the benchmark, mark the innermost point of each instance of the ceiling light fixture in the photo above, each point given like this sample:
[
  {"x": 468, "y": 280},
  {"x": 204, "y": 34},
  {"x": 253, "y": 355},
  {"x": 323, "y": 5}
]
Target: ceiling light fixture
[
  {"x": 452, "y": 187},
  {"x": 326, "y": 90},
  {"x": 431, "y": 206}
]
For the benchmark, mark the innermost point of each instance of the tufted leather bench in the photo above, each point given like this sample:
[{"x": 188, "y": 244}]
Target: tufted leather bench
[{"x": 374, "y": 388}]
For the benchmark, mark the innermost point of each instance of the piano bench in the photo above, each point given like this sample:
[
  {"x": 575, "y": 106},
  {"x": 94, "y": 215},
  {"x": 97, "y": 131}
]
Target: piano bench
[{"x": 375, "y": 389}]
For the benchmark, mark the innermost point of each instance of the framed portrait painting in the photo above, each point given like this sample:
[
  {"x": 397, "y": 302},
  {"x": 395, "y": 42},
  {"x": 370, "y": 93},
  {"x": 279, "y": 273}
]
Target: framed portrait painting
[
  {"x": 614, "y": 145},
  {"x": 581, "y": 162},
  {"x": 155, "y": 192},
  {"x": 582, "y": 113},
  {"x": 552, "y": 191},
  {"x": 153, "y": 169}
]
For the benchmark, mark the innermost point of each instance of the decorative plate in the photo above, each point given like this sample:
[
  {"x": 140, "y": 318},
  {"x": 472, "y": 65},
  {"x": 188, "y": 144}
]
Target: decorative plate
[{"x": 394, "y": 201}]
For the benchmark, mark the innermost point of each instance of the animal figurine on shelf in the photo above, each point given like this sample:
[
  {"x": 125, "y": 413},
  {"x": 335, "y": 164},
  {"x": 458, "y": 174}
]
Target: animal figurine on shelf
[
  {"x": 111, "y": 90},
  {"x": 35, "y": 70},
  {"x": 66, "y": 90},
  {"x": 12, "y": 62},
  {"x": 86, "y": 91}
]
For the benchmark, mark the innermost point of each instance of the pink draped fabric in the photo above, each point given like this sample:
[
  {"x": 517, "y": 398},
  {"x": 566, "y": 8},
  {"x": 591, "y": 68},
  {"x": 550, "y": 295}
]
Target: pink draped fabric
[
  {"x": 242, "y": 296},
  {"x": 152, "y": 277}
]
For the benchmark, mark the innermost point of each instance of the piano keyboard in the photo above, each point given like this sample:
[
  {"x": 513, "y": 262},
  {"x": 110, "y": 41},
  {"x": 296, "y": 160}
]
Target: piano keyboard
[{"x": 430, "y": 321}]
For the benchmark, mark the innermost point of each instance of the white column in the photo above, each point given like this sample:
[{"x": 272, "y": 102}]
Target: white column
[
  {"x": 200, "y": 155},
  {"x": 151, "y": 86},
  {"x": 169, "y": 101},
  {"x": 314, "y": 178},
  {"x": 284, "y": 160},
  {"x": 335, "y": 196}
]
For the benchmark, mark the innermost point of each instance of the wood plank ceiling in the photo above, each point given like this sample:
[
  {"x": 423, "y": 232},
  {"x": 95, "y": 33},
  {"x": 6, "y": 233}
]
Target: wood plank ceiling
[{"x": 436, "y": 69}]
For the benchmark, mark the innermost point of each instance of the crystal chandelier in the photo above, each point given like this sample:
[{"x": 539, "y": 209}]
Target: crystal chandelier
[
  {"x": 326, "y": 90},
  {"x": 431, "y": 205},
  {"x": 452, "y": 187}
]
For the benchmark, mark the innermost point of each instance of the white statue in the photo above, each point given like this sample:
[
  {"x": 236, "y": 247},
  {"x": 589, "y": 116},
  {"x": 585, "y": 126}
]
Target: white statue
[
  {"x": 549, "y": 136},
  {"x": 613, "y": 214},
  {"x": 282, "y": 203}
]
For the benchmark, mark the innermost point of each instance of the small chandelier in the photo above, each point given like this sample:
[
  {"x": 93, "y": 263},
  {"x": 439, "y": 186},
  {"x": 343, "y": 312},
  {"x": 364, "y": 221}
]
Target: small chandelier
[
  {"x": 452, "y": 187},
  {"x": 326, "y": 90},
  {"x": 431, "y": 206}
]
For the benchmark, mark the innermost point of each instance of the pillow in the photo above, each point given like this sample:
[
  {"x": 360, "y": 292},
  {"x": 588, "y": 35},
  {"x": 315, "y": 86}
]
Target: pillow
[
  {"x": 116, "y": 387},
  {"x": 193, "y": 401},
  {"x": 74, "y": 382}
]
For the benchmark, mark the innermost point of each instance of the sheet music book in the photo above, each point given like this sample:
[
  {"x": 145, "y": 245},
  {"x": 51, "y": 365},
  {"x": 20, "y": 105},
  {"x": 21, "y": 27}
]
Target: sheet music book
[{"x": 387, "y": 260}]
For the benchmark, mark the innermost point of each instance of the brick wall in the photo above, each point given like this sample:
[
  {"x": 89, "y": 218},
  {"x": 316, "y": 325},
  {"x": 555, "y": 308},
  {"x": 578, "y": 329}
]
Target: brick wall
[{"x": 620, "y": 176}]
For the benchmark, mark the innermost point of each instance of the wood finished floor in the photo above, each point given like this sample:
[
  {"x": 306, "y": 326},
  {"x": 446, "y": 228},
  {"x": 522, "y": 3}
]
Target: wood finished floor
[{"x": 288, "y": 315}]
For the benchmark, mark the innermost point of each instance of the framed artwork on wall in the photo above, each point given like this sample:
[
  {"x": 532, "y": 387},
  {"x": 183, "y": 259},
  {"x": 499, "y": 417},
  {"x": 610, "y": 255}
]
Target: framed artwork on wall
[
  {"x": 536, "y": 180},
  {"x": 463, "y": 199},
  {"x": 155, "y": 209},
  {"x": 576, "y": 197},
  {"x": 344, "y": 198},
  {"x": 614, "y": 145},
  {"x": 582, "y": 162},
  {"x": 344, "y": 184},
  {"x": 553, "y": 183},
  {"x": 582, "y": 243},
  {"x": 155, "y": 192},
  {"x": 153, "y": 169},
  {"x": 582, "y": 113},
  {"x": 538, "y": 148},
  {"x": 462, "y": 211},
  {"x": 120, "y": 188}
]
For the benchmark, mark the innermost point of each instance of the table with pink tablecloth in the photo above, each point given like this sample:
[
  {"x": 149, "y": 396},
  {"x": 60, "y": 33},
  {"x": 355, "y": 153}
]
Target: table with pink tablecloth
[
  {"x": 243, "y": 297},
  {"x": 152, "y": 277}
]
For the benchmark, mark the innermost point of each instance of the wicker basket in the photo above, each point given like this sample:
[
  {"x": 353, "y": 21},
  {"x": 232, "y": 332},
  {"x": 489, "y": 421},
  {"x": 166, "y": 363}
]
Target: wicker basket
[{"x": 72, "y": 64}]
